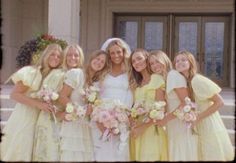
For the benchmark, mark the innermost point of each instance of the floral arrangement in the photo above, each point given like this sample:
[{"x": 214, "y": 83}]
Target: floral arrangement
[
  {"x": 148, "y": 111},
  {"x": 188, "y": 113},
  {"x": 90, "y": 94},
  {"x": 74, "y": 112},
  {"x": 48, "y": 96},
  {"x": 113, "y": 116},
  {"x": 30, "y": 52}
]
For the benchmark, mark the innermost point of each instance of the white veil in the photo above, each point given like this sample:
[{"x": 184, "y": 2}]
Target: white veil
[{"x": 108, "y": 41}]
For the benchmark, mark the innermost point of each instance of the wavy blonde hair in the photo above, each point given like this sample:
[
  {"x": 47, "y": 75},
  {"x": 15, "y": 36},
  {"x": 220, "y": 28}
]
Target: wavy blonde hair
[
  {"x": 136, "y": 78},
  {"x": 99, "y": 75},
  {"x": 43, "y": 61},
  {"x": 192, "y": 69},
  {"x": 80, "y": 52},
  {"x": 161, "y": 57},
  {"x": 122, "y": 45}
]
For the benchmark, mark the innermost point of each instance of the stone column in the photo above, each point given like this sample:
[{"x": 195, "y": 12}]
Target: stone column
[{"x": 63, "y": 19}]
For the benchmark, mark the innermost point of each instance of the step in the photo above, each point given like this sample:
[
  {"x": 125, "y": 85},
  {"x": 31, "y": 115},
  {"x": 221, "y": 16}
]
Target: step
[
  {"x": 7, "y": 103},
  {"x": 5, "y": 113},
  {"x": 227, "y": 109},
  {"x": 232, "y": 136},
  {"x": 229, "y": 121}
]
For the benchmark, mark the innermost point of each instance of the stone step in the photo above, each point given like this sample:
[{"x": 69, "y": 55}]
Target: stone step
[
  {"x": 232, "y": 136},
  {"x": 229, "y": 121},
  {"x": 5, "y": 113}
]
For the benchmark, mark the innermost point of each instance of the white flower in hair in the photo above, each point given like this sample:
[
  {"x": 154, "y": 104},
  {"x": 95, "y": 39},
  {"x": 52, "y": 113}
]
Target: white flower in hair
[{"x": 108, "y": 41}]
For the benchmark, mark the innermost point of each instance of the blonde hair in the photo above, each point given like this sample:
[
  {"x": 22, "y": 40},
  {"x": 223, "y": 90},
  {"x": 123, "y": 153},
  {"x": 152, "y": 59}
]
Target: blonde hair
[
  {"x": 80, "y": 52},
  {"x": 135, "y": 78},
  {"x": 99, "y": 75},
  {"x": 161, "y": 57},
  {"x": 192, "y": 69},
  {"x": 43, "y": 61},
  {"x": 123, "y": 46}
]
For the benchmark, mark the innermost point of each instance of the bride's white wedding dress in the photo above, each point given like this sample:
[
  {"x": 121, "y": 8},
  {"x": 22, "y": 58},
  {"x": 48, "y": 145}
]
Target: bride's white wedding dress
[{"x": 113, "y": 88}]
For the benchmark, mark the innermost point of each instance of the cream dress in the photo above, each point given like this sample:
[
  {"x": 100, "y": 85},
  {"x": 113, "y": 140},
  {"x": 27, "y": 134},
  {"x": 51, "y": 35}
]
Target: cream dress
[
  {"x": 214, "y": 141},
  {"x": 46, "y": 141},
  {"x": 113, "y": 88},
  {"x": 76, "y": 140},
  {"x": 182, "y": 143},
  {"x": 17, "y": 142}
]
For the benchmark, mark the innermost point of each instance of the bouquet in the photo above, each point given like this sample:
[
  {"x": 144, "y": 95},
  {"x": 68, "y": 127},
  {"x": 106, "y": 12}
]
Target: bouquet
[
  {"x": 90, "y": 94},
  {"x": 113, "y": 116},
  {"x": 148, "y": 111},
  {"x": 48, "y": 96},
  {"x": 188, "y": 113},
  {"x": 74, "y": 112}
]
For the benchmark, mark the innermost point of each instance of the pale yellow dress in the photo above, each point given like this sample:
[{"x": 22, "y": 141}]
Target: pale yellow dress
[
  {"x": 46, "y": 141},
  {"x": 150, "y": 146},
  {"x": 17, "y": 143},
  {"x": 182, "y": 143},
  {"x": 214, "y": 141}
]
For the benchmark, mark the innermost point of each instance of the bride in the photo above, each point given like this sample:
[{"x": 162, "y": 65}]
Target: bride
[{"x": 115, "y": 86}]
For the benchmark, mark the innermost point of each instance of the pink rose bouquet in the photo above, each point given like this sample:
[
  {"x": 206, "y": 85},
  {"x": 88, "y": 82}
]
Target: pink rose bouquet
[{"x": 114, "y": 117}]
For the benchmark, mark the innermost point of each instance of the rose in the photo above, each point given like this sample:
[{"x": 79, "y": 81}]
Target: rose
[
  {"x": 187, "y": 108},
  {"x": 69, "y": 108},
  {"x": 187, "y": 100},
  {"x": 133, "y": 113},
  {"x": 115, "y": 131},
  {"x": 54, "y": 96},
  {"x": 154, "y": 114},
  {"x": 92, "y": 97},
  {"x": 188, "y": 117}
]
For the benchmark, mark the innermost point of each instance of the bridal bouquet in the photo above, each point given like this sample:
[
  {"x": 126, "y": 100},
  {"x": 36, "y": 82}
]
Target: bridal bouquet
[
  {"x": 113, "y": 116},
  {"x": 188, "y": 113},
  {"x": 74, "y": 112},
  {"x": 48, "y": 96},
  {"x": 90, "y": 94}
]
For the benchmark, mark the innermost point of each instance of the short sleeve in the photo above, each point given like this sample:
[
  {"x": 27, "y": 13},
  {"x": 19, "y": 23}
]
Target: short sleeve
[
  {"x": 175, "y": 80},
  {"x": 74, "y": 78},
  {"x": 203, "y": 87},
  {"x": 29, "y": 75},
  {"x": 157, "y": 81}
]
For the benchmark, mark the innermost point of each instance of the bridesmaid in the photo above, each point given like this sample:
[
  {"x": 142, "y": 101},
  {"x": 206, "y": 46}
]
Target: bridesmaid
[
  {"x": 17, "y": 142},
  {"x": 46, "y": 141},
  {"x": 148, "y": 143},
  {"x": 182, "y": 143},
  {"x": 94, "y": 75},
  {"x": 76, "y": 141},
  {"x": 214, "y": 141}
]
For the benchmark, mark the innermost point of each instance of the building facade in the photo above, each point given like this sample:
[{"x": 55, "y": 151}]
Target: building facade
[{"x": 204, "y": 27}]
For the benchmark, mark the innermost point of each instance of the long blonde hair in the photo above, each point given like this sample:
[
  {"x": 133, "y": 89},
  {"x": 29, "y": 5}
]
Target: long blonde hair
[
  {"x": 80, "y": 52},
  {"x": 99, "y": 75},
  {"x": 136, "y": 78},
  {"x": 122, "y": 45},
  {"x": 43, "y": 61},
  {"x": 161, "y": 57},
  {"x": 192, "y": 69}
]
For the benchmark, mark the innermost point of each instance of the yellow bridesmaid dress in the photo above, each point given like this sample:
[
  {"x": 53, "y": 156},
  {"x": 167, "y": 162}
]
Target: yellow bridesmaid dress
[
  {"x": 46, "y": 141},
  {"x": 17, "y": 142},
  {"x": 151, "y": 145},
  {"x": 214, "y": 141}
]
